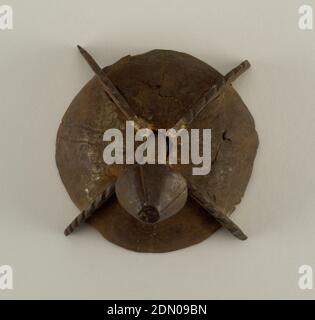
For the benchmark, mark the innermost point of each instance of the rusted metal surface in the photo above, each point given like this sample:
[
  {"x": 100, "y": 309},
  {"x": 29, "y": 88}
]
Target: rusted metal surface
[
  {"x": 88, "y": 212},
  {"x": 113, "y": 93},
  {"x": 220, "y": 217},
  {"x": 160, "y": 87}
]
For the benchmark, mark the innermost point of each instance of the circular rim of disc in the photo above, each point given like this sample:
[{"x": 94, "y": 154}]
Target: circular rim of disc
[{"x": 85, "y": 178}]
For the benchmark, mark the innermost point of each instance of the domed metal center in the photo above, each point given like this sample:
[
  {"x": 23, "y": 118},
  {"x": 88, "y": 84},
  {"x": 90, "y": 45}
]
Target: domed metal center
[{"x": 151, "y": 193}]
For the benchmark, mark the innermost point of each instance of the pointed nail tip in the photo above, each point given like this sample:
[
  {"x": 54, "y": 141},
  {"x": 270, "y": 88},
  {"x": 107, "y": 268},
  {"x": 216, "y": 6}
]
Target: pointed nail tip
[
  {"x": 81, "y": 49},
  {"x": 241, "y": 236}
]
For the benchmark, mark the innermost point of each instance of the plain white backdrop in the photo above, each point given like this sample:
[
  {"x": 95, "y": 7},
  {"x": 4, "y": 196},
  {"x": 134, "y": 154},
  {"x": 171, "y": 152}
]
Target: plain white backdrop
[{"x": 41, "y": 71}]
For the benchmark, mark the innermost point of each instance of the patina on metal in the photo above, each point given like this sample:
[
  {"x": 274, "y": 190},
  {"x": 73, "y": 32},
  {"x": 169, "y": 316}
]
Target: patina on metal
[
  {"x": 160, "y": 89},
  {"x": 151, "y": 193}
]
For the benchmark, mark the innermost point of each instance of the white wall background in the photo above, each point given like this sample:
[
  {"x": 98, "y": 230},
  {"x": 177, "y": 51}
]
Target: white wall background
[{"x": 41, "y": 71}]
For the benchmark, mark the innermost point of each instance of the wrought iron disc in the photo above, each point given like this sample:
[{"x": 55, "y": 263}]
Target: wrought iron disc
[{"x": 159, "y": 85}]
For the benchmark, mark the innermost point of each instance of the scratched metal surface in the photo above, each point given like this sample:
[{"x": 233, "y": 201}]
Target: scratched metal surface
[{"x": 159, "y": 85}]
